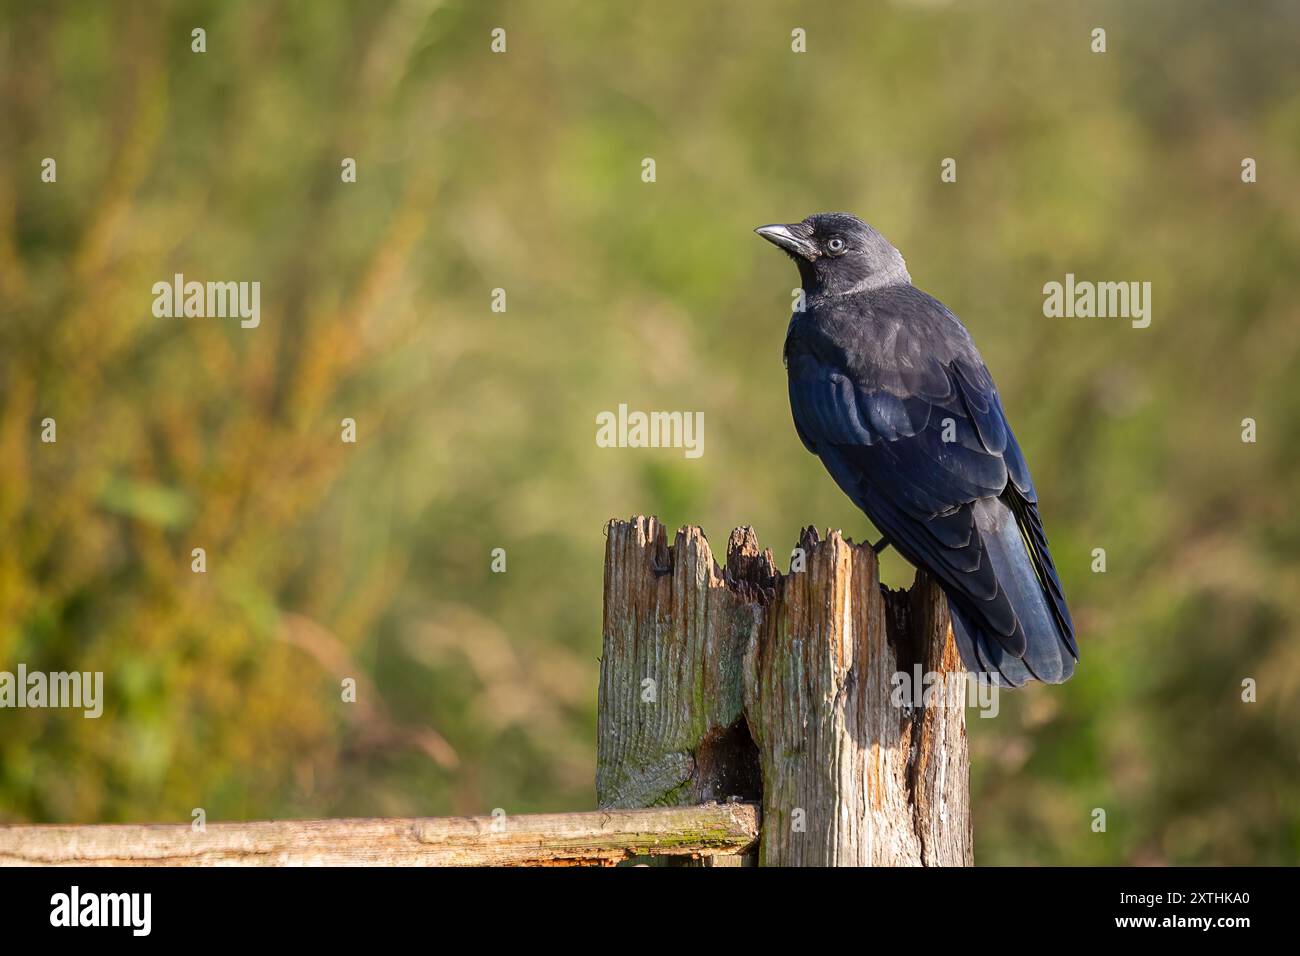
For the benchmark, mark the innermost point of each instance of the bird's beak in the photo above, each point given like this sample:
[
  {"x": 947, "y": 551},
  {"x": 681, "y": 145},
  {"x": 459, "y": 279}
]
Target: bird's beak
[{"x": 794, "y": 239}]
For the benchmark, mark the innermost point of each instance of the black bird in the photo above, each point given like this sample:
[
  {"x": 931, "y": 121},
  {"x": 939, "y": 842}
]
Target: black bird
[{"x": 888, "y": 390}]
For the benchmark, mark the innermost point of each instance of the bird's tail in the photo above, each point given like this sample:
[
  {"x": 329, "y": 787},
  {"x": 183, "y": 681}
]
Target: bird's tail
[{"x": 1026, "y": 576}]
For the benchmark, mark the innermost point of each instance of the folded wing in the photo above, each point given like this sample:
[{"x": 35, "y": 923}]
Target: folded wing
[{"x": 923, "y": 447}]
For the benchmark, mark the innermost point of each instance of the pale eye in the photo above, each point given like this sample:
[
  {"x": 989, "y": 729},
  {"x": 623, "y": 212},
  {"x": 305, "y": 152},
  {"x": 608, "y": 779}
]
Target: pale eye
[{"x": 836, "y": 246}]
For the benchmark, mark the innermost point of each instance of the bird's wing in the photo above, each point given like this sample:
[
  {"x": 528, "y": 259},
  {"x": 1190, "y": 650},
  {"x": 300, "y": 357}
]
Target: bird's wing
[{"x": 922, "y": 445}]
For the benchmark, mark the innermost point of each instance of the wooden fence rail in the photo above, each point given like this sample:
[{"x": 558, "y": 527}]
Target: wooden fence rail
[{"x": 550, "y": 839}]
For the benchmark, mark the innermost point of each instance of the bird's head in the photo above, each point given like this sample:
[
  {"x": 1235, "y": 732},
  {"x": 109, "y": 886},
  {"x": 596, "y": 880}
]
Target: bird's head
[{"x": 838, "y": 253}]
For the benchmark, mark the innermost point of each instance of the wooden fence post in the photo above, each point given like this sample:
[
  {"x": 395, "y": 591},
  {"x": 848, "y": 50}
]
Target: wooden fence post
[{"x": 743, "y": 682}]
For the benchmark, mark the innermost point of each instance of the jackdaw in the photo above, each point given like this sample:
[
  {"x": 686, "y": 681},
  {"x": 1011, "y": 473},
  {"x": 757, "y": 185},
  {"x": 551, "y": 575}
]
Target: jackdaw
[{"x": 888, "y": 390}]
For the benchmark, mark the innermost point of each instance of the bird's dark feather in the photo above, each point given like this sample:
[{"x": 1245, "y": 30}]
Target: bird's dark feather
[{"x": 875, "y": 378}]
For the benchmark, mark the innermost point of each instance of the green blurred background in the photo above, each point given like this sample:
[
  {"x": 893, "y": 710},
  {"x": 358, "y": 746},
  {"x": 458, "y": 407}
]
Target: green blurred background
[{"x": 476, "y": 429}]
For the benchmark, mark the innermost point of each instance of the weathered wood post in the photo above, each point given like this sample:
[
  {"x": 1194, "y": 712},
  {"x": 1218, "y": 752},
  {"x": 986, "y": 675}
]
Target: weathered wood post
[{"x": 743, "y": 682}]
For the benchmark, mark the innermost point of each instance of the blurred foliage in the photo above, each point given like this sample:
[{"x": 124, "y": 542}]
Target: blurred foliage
[{"x": 522, "y": 171}]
